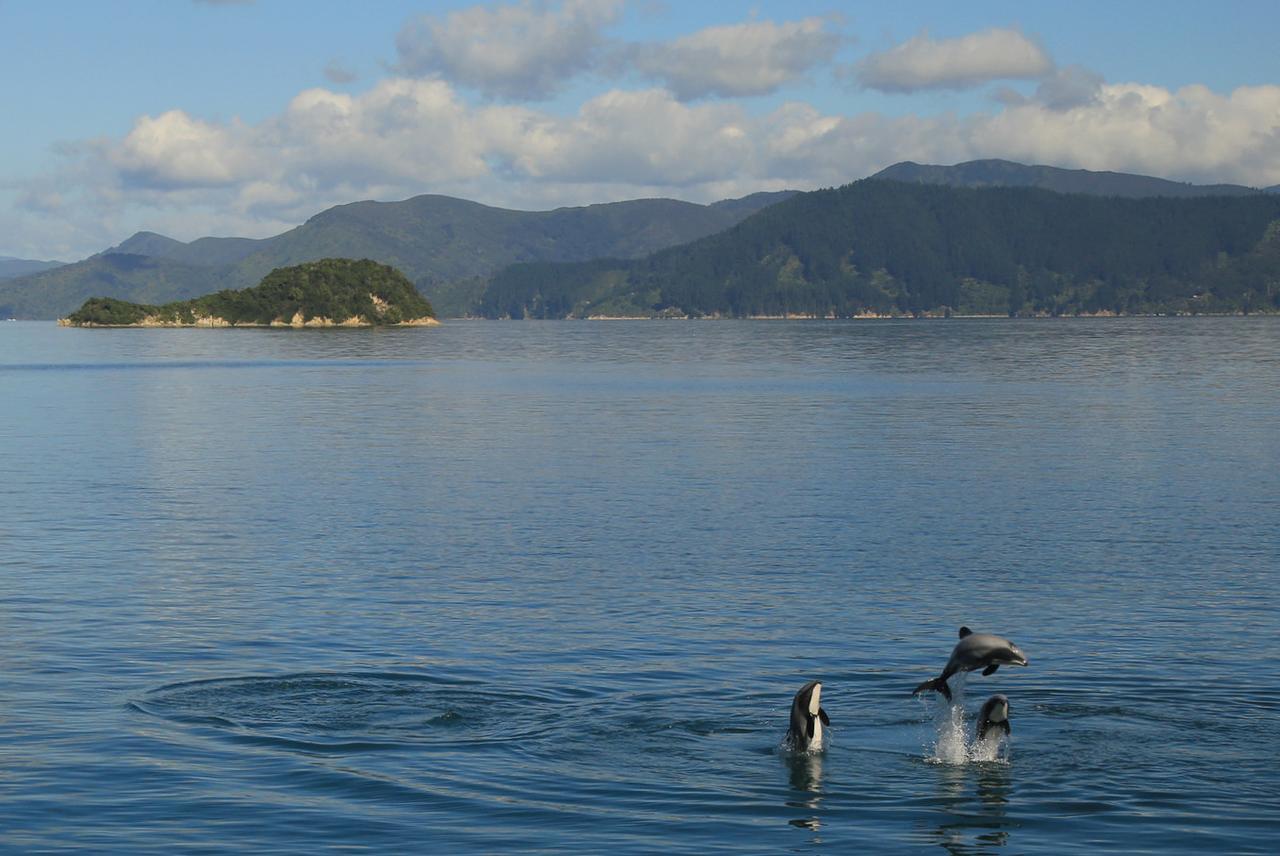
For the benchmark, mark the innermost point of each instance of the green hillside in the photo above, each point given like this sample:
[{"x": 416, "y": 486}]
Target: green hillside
[
  {"x": 443, "y": 245},
  {"x": 141, "y": 279},
  {"x": 888, "y": 247},
  {"x": 439, "y": 240},
  {"x": 327, "y": 291}
]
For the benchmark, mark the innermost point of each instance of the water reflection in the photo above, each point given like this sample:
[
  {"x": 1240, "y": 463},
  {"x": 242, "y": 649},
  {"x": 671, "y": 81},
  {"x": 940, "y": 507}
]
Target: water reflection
[
  {"x": 974, "y": 799},
  {"x": 804, "y": 771}
]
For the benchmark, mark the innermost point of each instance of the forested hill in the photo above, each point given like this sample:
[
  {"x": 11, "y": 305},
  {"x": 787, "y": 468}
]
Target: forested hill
[
  {"x": 439, "y": 239},
  {"x": 888, "y": 247},
  {"x": 324, "y": 293},
  {"x": 1002, "y": 173},
  {"x": 442, "y": 244}
]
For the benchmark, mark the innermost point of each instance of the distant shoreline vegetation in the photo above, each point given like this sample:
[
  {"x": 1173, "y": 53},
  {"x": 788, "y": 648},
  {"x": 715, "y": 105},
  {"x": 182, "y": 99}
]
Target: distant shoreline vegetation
[{"x": 325, "y": 293}]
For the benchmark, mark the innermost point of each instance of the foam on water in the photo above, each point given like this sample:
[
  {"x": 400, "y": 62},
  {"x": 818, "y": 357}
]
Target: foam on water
[
  {"x": 956, "y": 741},
  {"x": 787, "y": 747}
]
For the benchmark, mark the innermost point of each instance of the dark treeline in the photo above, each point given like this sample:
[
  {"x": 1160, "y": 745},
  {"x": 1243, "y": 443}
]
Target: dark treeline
[
  {"x": 888, "y": 247},
  {"x": 551, "y": 289}
]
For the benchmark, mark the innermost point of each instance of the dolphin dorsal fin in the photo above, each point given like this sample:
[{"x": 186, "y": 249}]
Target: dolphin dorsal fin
[{"x": 965, "y": 631}]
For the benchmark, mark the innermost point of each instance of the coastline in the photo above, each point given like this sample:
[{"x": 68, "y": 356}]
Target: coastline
[
  {"x": 905, "y": 316},
  {"x": 297, "y": 322}
]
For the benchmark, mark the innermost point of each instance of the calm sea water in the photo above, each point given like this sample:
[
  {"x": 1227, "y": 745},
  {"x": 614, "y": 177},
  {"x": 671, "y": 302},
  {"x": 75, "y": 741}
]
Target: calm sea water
[{"x": 551, "y": 586}]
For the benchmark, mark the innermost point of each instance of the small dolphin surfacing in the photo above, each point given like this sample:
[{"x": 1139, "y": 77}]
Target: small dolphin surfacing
[
  {"x": 807, "y": 719},
  {"x": 984, "y": 651},
  {"x": 994, "y": 716}
]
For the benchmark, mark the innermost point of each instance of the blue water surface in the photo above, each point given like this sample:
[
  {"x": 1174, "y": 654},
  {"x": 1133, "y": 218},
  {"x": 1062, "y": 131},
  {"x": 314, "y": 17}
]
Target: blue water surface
[{"x": 550, "y": 586}]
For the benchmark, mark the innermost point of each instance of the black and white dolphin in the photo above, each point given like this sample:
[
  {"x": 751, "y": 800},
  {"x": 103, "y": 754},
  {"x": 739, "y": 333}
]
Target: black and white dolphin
[
  {"x": 975, "y": 651},
  {"x": 994, "y": 716},
  {"x": 807, "y": 719}
]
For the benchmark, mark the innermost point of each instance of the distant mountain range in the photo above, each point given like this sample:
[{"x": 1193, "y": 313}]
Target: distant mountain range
[
  {"x": 202, "y": 251},
  {"x": 442, "y": 244},
  {"x": 892, "y": 248},
  {"x": 1003, "y": 173},
  {"x": 141, "y": 279},
  {"x": 11, "y": 267},
  {"x": 461, "y": 254}
]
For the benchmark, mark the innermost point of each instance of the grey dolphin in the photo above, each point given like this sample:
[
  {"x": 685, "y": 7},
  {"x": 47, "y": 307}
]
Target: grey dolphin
[
  {"x": 975, "y": 651},
  {"x": 807, "y": 718},
  {"x": 994, "y": 716}
]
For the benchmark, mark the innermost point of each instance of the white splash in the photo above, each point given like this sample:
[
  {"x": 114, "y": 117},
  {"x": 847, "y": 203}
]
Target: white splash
[
  {"x": 816, "y": 747},
  {"x": 957, "y": 743},
  {"x": 952, "y": 746}
]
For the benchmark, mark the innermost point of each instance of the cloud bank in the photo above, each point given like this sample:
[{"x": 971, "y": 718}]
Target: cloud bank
[
  {"x": 687, "y": 136},
  {"x": 407, "y": 135}
]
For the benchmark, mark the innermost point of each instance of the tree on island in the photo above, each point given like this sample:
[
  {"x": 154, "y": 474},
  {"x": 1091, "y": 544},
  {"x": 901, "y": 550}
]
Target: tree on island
[{"x": 333, "y": 289}]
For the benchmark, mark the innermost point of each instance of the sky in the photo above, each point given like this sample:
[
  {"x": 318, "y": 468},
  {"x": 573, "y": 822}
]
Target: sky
[{"x": 218, "y": 117}]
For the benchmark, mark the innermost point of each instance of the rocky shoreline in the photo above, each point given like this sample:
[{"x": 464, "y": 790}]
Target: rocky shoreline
[{"x": 297, "y": 322}]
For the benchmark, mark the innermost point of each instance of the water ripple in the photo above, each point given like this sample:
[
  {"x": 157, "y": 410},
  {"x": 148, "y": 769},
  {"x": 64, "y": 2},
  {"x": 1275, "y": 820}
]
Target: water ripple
[{"x": 353, "y": 712}]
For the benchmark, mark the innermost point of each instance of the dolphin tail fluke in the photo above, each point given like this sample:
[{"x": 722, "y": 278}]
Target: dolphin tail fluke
[{"x": 938, "y": 685}]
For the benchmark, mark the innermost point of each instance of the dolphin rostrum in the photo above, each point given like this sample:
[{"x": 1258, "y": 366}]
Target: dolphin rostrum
[
  {"x": 994, "y": 716},
  {"x": 807, "y": 718},
  {"x": 975, "y": 651}
]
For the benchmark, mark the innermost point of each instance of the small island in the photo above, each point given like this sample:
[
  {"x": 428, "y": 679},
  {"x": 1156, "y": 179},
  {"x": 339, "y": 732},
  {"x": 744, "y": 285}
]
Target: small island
[{"x": 325, "y": 293}]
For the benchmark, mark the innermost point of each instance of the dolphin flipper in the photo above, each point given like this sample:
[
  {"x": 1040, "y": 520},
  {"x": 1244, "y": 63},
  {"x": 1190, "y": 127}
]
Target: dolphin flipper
[
  {"x": 822, "y": 714},
  {"x": 991, "y": 670}
]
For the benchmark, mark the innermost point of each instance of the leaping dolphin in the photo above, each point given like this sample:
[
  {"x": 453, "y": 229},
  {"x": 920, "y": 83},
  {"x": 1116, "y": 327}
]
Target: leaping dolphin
[
  {"x": 975, "y": 651},
  {"x": 807, "y": 719},
  {"x": 994, "y": 716}
]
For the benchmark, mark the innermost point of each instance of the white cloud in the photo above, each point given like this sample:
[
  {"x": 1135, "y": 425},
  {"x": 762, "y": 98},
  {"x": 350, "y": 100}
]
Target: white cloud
[
  {"x": 959, "y": 63},
  {"x": 637, "y": 138},
  {"x": 521, "y": 50},
  {"x": 404, "y": 136},
  {"x": 174, "y": 150},
  {"x": 753, "y": 58},
  {"x": 187, "y": 176},
  {"x": 1192, "y": 133}
]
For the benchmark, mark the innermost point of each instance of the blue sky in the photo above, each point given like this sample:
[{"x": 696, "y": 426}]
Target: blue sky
[{"x": 194, "y": 118}]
